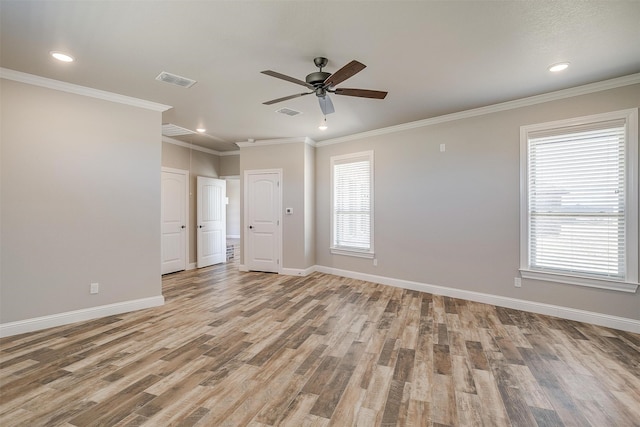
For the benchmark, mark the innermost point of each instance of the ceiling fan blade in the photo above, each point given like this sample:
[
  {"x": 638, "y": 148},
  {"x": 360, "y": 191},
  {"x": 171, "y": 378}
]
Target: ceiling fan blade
[
  {"x": 326, "y": 105},
  {"x": 351, "y": 69},
  {"x": 287, "y": 78},
  {"x": 297, "y": 95},
  {"x": 362, "y": 93}
]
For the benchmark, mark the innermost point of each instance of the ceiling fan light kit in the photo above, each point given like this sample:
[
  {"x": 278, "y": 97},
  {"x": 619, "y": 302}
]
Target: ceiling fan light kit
[{"x": 322, "y": 83}]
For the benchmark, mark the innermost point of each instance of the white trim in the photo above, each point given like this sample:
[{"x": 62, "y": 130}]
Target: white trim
[
  {"x": 34, "y": 80},
  {"x": 632, "y": 165},
  {"x": 229, "y": 153},
  {"x": 606, "y": 320},
  {"x": 174, "y": 170},
  {"x": 243, "y": 268},
  {"x": 298, "y": 271},
  {"x": 572, "y": 279},
  {"x": 233, "y": 236},
  {"x": 354, "y": 253},
  {"x": 263, "y": 142},
  {"x": 59, "y": 319},
  {"x": 186, "y": 174},
  {"x": 191, "y": 266},
  {"x": 509, "y": 105}
]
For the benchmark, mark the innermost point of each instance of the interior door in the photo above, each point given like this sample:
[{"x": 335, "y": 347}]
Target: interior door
[
  {"x": 211, "y": 216},
  {"x": 262, "y": 221},
  {"x": 174, "y": 220}
]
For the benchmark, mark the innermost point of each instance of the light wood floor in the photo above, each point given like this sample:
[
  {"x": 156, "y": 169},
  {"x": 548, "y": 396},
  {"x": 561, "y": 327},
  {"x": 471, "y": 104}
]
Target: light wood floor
[{"x": 236, "y": 349}]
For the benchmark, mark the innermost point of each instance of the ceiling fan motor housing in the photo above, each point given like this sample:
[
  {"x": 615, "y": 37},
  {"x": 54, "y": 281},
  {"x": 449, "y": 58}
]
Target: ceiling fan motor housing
[{"x": 317, "y": 78}]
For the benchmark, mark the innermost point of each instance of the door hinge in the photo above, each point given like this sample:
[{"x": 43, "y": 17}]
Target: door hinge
[
  {"x": 278, "y": 183},
  {"x": 278, "y": 261},
  {"x": 278, "y": 222}
]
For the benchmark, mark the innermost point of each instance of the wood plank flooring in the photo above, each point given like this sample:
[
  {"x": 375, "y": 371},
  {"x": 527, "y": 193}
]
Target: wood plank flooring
[{"x": 254, "y": 349}]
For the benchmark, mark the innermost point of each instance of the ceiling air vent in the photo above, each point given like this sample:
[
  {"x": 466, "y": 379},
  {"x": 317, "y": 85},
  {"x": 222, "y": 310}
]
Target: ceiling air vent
[
  {"x": 175, "y": 79},
  {"x": 288, "y": 112},
  {"x": 169, "y": 129}
]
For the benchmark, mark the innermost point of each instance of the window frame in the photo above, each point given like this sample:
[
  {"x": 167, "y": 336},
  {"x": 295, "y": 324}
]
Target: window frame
[
  {"x": 630, "y": 281},
  {"x": 346, "y": 250}
]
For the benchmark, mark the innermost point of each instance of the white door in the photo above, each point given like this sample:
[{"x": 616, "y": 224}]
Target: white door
[
  {"x": 211, "y": 221},
  {"x": 174, "y": 220},
  {"x": 262, "y": 220}
]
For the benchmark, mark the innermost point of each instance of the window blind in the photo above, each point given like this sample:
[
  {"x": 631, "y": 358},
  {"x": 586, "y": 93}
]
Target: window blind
[
  {"x": 576, "y": 200},
  {"x": 352, "y": 203}
]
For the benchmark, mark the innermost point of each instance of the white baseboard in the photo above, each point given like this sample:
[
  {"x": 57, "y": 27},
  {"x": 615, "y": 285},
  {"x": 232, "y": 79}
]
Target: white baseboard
[
  {"x": 298, "y": 271},
  {"x": 600, "y": 319},
  {"x": 191, "y": 266},
  {"x": 286, "y": 271},
  {"x": 59, "y": 319}
]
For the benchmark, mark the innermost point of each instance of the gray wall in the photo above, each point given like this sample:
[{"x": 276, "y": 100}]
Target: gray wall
[
  {"x": 80, "y": 202},
  {"x": 198, "y": 163},
  {"x": 309, "y": 206},
  {"x": 230, "y": 165},
  {"x": 291, "y": 159},
  {"x": 452, "y": 218},
  {"x": 233, "y": 208}
]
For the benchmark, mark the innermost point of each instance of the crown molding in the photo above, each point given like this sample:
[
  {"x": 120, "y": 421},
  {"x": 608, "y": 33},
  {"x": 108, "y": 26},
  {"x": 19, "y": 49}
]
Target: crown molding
[
  {"x": 263, "y": 142},
  {"x": 509, "y": 105},
  {"x": 229, "y": 153},
  {"x": 173, "y": 141},
  {"x": 34, "y": 80}
]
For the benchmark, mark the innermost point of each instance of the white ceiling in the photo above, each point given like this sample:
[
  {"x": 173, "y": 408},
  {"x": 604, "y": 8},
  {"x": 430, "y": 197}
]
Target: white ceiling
[{"x": 433, "y": 57}]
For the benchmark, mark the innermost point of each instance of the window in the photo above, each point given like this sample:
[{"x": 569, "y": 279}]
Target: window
[
  {"x": 579, "y": 201},
  {"x": 352, "y": 204}
]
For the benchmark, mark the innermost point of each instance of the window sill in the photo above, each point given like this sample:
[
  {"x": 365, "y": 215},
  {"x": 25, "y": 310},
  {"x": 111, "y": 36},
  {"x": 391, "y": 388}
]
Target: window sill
[
  {"x": 352, "y": 252},
  {"x": 612, "y": 285}
]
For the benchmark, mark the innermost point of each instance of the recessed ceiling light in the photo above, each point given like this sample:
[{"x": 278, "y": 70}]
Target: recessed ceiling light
[
  {"x": 561, "y": 66},
  {"x": 323, "y": 125},
  {"x": 62, "y": 56},
  {"x": 201, "y": 130}
]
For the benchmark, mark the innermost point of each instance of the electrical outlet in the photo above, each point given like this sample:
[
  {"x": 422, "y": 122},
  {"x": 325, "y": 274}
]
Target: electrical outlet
[
  {"x": 94, "y": 288},
  {"x": 517, "y": 282},
  {"x": 375, "y": 262}
]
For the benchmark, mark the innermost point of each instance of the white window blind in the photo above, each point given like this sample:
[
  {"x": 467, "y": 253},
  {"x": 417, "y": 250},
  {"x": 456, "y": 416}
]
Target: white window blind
[
  {"x": 577, "y": 200},
  {"x": 352, "y": 216}
]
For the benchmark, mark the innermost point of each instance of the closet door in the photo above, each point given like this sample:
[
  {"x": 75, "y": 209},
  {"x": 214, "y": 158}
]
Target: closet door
[{"x": 175, "y": 191}]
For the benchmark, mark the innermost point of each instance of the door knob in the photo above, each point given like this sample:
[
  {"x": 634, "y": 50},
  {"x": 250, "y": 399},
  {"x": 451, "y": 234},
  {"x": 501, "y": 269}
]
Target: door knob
[
  {"x": 183, "y": 226},
  {"x": 199, "y": 226},
  {"x": 251, "y": 226}
]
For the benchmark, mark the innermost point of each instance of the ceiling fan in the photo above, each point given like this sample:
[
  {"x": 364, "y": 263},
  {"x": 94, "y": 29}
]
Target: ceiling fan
[{"x": 322, "y": 84}]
